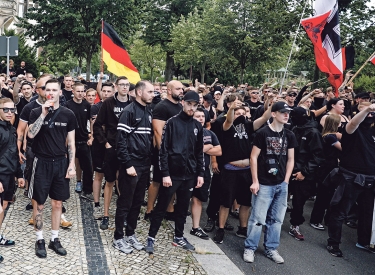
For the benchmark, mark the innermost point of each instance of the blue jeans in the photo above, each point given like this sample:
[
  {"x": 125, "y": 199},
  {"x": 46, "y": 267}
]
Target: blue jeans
[{"x": 268, "y": 208}]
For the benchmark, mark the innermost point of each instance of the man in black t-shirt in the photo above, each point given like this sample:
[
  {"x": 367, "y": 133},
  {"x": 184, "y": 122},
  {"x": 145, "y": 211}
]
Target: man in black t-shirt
[
  {"x": 98, "y": 149},
  {"x": 271, "y": 163},
  {"x": 356, "y": 180},
  {"x": 253, "y": 102},
  {"x": 105, "y": 132},
  {"x": 211, "y": 147},
  {"x": 236, "y": 177},
  {"x": 67, "y": 92},
  {"x": 27, "y": 92},
  {"x": 53, "y": 129},
  {"x": 81, "y": 109},
  {"x": 163, "y": 111}
]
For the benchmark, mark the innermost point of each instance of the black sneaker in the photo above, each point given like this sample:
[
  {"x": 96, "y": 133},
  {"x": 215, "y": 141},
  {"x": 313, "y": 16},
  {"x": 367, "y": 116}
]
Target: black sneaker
[
  {"x": 1, "y": 259},
  {"x": 149, "y": 248},
  {"x": 5, "y": 242},
  {"x": 104, "y": 223},
  {"x": 40, "y": 249},
  {"x": 183, "y": 242},
  {"x": 242, "y": 232},
  {"x": 334, "y": 251},
  {"x": 198, "y": 232},
  {"x": 210, "y": 225},
  {"x": 55, "y": 245},
  {"x": 351, "y": 224},
  {"x": 366, "y": 247},
  {"x": 219, "y": 235},
  {"x": 29, "y": 206},
  {"x": 227, "y": 226}
]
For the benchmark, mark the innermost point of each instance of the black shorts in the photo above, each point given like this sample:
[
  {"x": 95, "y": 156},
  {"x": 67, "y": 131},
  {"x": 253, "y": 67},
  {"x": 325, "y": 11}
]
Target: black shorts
[
  {"x": 111, "y": 164},
  {"x": 29, "y": 163},
  {"x": 235, "y": 185},
  {"x": 8, "y": 186},
  {"x": 97, "y": 155},
  {"x": 203, "y": 192},
  {"x": 48, "y": 179},
  {"x": 156, "y": 173}
]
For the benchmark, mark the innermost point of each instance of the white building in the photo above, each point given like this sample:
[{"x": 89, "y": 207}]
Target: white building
[{"x": 9, "y": 9}]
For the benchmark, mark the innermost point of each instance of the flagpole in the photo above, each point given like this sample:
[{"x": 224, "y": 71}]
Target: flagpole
[
  {"x": 101, "y": 50},
  {"x": 291, "y": 51},
  {"x": 360, "y": 69}
]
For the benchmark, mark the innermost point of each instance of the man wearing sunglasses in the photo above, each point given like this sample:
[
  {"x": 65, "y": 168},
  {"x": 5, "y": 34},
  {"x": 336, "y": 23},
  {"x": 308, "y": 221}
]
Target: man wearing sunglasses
[
  {"x": 8, "y": 160},
  {"x": 253, "y": 102},
  {"x": 291, "y": 98}
]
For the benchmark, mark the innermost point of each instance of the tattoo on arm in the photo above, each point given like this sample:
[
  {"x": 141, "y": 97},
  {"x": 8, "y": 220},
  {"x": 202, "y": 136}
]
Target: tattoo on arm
[
  {"x": 35, "y": 127},
  {"x": 70, "y": 153},
  {"x": 20, "y": 138},
  {"x": 38, "y": 223}
]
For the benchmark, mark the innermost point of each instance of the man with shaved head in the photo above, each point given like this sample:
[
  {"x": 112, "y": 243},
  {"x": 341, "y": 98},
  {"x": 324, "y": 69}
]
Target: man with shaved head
[{"x": 162, "y": 112}]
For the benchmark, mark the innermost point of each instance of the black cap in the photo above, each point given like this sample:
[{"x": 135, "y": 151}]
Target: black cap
[
  {"x": 191, "y": 96},
  {"x": 362, "y": 95},
  {"x": 292, "y": 93},
  {"x": 208, "y": 98},
  {"x": 281, "y": 107}
]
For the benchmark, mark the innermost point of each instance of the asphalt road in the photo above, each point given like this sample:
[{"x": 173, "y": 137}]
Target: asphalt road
[{"x": 301, "y": 257}]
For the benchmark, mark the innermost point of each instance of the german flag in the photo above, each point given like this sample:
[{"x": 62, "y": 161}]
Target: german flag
[{"x": 115, "y": 56}]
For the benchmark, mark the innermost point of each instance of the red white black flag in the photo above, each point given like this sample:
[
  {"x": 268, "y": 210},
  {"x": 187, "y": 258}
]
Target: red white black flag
[{"x": 323, "y": 30}]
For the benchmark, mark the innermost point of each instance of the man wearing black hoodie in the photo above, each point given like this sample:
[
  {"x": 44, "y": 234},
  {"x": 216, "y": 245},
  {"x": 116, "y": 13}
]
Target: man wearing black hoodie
[
  {"x": 108, "y": 117},
  {"x": 308, "y": 156}
]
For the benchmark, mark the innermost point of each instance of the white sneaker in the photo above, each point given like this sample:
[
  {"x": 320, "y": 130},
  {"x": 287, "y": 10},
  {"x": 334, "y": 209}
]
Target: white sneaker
[
  {"x": 133, "y": 241},
  {"x": 248, "y": 255},
  {"x": 98, "y": 213},
  {"x": 274, "y": 256},
  {"x": 122, "y": 245}
]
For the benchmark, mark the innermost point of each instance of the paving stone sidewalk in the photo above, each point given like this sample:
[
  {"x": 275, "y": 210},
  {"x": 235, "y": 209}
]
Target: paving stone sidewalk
[{"x": 89, "y": 249}]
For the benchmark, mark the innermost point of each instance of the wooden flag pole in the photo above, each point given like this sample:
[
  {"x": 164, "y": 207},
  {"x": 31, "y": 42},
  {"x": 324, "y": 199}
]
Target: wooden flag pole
[
  {"x": 360, "y": 69},
  {"x": 101, "y": 50}
]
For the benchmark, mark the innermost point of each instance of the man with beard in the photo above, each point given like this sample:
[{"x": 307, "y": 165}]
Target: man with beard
[
  {"x": 182, "y": 166},
  {"x": 134, "y": 150},
  {"x": 356, "y": 180},
  {"x": 162, "y": 112}
]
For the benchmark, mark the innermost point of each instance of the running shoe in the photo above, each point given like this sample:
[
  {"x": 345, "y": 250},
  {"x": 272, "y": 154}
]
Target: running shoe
[
  {"x": 123, "y": 246},
  {"x": 183, "y": 242},
  {"x": 210, "y": 225},
  {"x": 274, "y": 256},
  {"x": 294, "y": 232},
  {"x": 55, "y": 245},
  {"x": 98, "y": 213},
  {"x": 40, "y": 249},
  {"x": 219, "y": 235},
  {"x": 248, "y": 255},
  {"x": 87, "y": 196},
  {"x": 366, "y": 247},
  {"x": 334, "y": 250},
  {"x": 317, "y": 226},
  {"x": 149, "y": 248},
  {"x": 79, "y": 187},
  {"x": 198, "y": 232},
  {"x": 133, "y": 241},
  {"x": 242, "y": 232},
  {"x": 5, "y": 242},
  {"x": 104, "y": 224}
]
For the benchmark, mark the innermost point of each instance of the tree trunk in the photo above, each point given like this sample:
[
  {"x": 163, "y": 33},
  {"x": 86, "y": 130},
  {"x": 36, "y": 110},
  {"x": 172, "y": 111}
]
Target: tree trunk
[
  {"x": 202, "y": 71},
  {"x": 152, "y": 74},
  {"x": 88, "y": 67},
  {"x": 242, "y": 75},
  {"x": 169, "y": 66},
  {"x": 80, "y": 65}
]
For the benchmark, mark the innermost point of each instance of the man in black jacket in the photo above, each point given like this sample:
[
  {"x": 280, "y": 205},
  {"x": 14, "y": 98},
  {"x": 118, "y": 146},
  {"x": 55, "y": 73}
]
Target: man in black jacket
[
  {"x": 308, "y": 156},
  {"x": 8, "y": 160},
  {"x": 181, "y": 160},
  {"x": 134, "y": 147},
  {"x": 108, "y": 117}
]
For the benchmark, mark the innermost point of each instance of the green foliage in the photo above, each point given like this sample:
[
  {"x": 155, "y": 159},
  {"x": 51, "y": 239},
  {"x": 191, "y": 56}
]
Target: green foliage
[
  {"x": 76, "y": 25},
  {"x": 25, "y": 53},
  {"x": 365, "y": 83}
]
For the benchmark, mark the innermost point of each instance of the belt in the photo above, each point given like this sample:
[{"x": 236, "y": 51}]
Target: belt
[{"x": 81, "y": 142}]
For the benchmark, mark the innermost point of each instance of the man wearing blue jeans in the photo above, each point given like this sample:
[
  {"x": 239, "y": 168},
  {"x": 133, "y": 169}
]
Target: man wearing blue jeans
[{"x": 274, "y": 150}]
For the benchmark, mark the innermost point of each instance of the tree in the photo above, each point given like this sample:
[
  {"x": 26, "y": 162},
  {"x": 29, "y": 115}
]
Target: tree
[
  {"x": 26, "y": 53},
  {"x": 160, "y": 16},
  {"x": 76, "y": 25},
  {"x": 147, "y": 58}
]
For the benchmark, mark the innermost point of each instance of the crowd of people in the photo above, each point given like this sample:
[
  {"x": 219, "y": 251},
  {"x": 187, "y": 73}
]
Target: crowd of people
[{"x": 251, "y": 152}]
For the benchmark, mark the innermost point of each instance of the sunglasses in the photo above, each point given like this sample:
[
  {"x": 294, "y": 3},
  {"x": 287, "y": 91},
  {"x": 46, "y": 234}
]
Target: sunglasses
[
  {"x": 254, "y": 93},
  {"x": 292, "y": 95},
  {"x": 6, "y": 110},
  {"x": 41, "y": 87}
]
